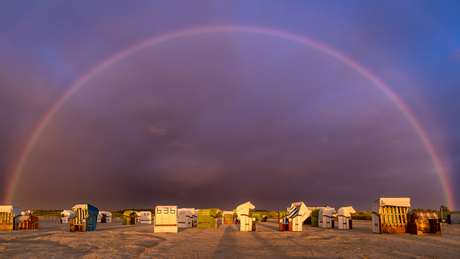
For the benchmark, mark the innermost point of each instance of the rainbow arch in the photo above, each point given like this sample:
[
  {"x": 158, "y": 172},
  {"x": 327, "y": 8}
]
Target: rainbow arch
[{"x": 11, "y": 187}]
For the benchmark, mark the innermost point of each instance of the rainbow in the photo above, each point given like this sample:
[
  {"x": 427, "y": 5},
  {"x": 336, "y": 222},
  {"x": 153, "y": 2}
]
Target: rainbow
[{"x": 11, "y": 187}]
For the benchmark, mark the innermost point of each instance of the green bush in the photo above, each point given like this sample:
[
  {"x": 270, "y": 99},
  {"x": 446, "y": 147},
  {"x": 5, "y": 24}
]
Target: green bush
[
  {"x": 362, "y": 215},
  {"x": 47, "y": 213}
]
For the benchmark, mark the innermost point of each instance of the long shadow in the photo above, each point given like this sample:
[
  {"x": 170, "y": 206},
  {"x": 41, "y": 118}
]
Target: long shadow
[
  {"x": 228, "y": 239},
  {"x": 275, "y": 249},
  {"x": 125, "y": 227},
  {"x": 182, "y": 229},
  {"x": 270, "y": 226},
  {"x": 141, "y": 228},
  {"x": 271, "y": 245}
]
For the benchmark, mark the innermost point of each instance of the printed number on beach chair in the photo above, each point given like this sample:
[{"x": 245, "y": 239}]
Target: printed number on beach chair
[{"x": 166, "y": 211}]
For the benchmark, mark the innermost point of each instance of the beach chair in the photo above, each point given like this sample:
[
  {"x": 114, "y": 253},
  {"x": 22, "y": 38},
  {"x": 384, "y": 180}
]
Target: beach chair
[
  {"x": 328, "y": 217},
  {"x": 207, "y": 218},
  {"x": 344, "y": 217},
  {"x": 185, "y": 218},
  {"x": 165, "y": 219},
  {"x": 104, "y": 217},
  {"x": 28, "y": 222},
  {"x": 284, "y": 224},
  {"x": 227, "y": 217},
  {"x": 66, "y": 215},
  {"x": 85, "y": 218},
  {"x": 247, "y": 223},
  {"x": 9, "y": 217},
  {"x": 424, "y": 223},
  {"x": 389, "y": 215},
  {"x": 298, "y": 213},
  {"x": 314, "y": 217}
]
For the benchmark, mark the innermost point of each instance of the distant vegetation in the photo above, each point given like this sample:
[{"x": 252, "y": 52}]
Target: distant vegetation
[
  {"x": 363, "y": 215},
  {"x": 273, "y": 215},
  {"x": 269, "y": 214},
  {"x": 47, "y": 213},
  {"x": 119, "y": 214}
]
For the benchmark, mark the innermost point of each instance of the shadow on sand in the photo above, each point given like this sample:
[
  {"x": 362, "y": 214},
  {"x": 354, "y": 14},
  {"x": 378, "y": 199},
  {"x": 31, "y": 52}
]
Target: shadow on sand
[
  {"x": 268, "y": 225},
  {"x": 228, "y": 240}
]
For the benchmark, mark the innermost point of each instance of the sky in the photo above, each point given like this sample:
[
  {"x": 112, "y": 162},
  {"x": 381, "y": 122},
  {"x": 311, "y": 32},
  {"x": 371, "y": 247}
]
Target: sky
[{"x": 210, "y": 104}]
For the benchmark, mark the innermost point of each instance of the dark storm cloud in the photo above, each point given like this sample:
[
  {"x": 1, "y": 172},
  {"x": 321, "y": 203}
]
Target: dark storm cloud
[
  {"x": 216, "y": 120},
  {"x": 276, "y": 131},
  {"x": 455, "y": 55}
]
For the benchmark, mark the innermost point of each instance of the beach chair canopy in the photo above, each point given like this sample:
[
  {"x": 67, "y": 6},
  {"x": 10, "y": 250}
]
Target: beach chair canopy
[
  {"x": 128, "y": 213},
  {"x": 166, "y": 216},
  {"x": 294, "y": 211},
  {"x": 299, "y": 209},
  {"x": 207, "y": 213},
  {"x": 11, "y": 209},
  {"x": 397, "y": 202},
  {"x": 188, "y": 211},
  {"x": 27, "y": 218},
  {"x": 106, "y": 213},
  {"x": 92, "y": 211},
  {"x": 68, "y": 213},
  {"x": 244, "y": 208},
  {"x": 425, "y": 215},
  {"x": 346, "y": 211},
  {"x": 328, "y": 212}
]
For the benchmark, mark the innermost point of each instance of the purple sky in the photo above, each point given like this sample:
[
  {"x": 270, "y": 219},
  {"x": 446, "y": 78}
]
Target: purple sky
[{"x": 218, "y": 119}]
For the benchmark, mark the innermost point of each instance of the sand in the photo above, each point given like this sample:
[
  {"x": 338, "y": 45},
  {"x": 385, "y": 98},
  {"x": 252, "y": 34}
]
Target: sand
[{"x": 114, "y": 240}]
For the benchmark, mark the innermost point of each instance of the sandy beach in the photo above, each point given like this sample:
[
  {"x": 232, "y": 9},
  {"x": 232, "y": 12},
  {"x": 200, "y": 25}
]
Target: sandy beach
[{"x": 114, "y": 240}]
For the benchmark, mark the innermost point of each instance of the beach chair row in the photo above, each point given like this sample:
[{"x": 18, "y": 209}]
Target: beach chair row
[{"x": 389, "y": 215}]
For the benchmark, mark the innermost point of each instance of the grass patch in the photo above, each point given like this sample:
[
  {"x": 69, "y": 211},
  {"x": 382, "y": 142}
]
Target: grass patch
[{"x": 362, "y": 215}]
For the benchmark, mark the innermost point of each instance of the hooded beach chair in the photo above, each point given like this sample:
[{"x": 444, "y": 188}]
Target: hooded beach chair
[
  {"x": 389, "y": 215},
  {"x": 247, "y": 223},
  {"x": 344, "y": 217}
]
